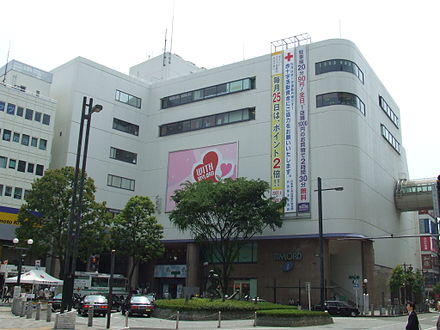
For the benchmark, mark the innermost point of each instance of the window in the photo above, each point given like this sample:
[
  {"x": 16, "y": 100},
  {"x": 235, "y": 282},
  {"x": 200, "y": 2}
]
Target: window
[
  {"x": 10, "y": 109},
  {"x": 7, "y": 135},
  {"x": 37, "y": 116},
  {"x": 120, "y": 182},
  {"x": 30, "y": 168},
  {"x": 220, "y": 119},
  {"x": 20, "y": 111},
  {"x": 25, "y": 139},
  {"x": 343, "y": 98},
  {"x": 43, "y": 144},
  {"x": 26, "y": 193},
  {"x": 18, "y": 193},
  {"x": 128, "y": 99},
  {"x": 208, "y": 92},
  {"x": 339, "y": 65},
  {"x": 8, "y": 191},
  {"x": 125, "y": 126},
  {"x": 21, "y": 166},
  {"x": 3, "y": 162},
  {"x": 123, "y": 155},
  {"x": 390, "y": 113},
  {"x": 46, "y": 119},
  {"x": 16, "y": 137},
  {"x": 34, "y": 142},
  {"x": 1, "y": 190},
  {"x": 12, "y": 163},
  {"x": 2, "y": 106},
  {"x": 390, "y": 138},
  {"x": 39, "y": 170},
  {"x": 29, "y": 114}
]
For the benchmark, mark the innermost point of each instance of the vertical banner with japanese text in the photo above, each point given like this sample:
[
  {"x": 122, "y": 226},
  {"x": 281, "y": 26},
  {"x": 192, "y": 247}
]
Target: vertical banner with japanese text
[
  {"x": 277, "y": 135},
  {"x": 303, "y": 138},
  {"x": 290, "y": 130}
]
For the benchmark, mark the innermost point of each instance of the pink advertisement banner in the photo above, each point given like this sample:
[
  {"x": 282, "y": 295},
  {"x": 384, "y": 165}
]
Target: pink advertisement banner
[{"x": 213, "y": 163}]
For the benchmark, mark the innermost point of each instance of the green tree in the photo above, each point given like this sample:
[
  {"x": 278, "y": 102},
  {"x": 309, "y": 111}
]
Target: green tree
[
  {"x": 45, "y": 215},
  {"x": 136, "y": 233},
  {"x": 406, "y": 283},
  {"x": 224, "y": 216}
]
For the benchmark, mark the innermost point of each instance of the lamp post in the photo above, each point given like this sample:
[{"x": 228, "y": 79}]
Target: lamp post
[
  {"x": 110, "y": 287},
  {"x": 75, "y": 209},
  {"x": 321, "y": 238},
  {"x": 21, "y": 255}
]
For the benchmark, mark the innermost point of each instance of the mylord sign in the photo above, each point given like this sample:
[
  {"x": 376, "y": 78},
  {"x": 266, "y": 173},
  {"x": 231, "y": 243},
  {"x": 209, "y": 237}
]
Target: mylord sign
[{"x": 288, "y": 259}]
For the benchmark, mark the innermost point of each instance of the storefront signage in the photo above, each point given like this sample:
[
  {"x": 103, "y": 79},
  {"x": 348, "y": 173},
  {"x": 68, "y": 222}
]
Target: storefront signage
[
  {"x": 176, "y": 271},
  {"x": 288, "y": 256}
]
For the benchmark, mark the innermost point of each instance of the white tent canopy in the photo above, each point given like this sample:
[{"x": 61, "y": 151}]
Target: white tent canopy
[{"x": 35, "y": 277}]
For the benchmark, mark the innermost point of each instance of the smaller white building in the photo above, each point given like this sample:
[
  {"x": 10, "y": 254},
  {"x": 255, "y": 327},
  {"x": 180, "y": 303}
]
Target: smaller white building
[{"x": 27, "y": 116}]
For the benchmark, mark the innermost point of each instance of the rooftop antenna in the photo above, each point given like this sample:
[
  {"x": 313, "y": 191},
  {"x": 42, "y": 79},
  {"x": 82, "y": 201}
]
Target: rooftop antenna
[
  {"x": 7, "y": 60},
  {"x": 340, "y": 29},
  {"x": 165, "y": 49},
  {"x": 172, "y": 31}
]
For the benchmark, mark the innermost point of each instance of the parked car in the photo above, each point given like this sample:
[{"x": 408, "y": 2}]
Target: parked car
[
  {"x": 99, "y": 303},
  {"x": 141, "y": 305},
  {"x": 336, "y": 307},
  {"x": 56, "y": 301}
]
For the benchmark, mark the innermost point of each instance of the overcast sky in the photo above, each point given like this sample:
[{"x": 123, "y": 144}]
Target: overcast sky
[{"x": 399, "y": 39}]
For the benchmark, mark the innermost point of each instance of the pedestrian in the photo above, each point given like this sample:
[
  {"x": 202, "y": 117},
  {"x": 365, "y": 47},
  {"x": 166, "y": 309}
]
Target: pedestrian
[
  {"x": 413, "y": 321},
  {"x": 438, "y": 320}
]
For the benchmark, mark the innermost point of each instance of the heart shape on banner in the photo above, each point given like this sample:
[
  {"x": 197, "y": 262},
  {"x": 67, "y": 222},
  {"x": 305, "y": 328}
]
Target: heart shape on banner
[
  {"x": 206, "y": 170},
  {"x": 225, "y": 168}
]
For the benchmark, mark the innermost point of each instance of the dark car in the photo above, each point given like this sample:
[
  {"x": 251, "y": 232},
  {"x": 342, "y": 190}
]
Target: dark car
[
  {"x": 99, "y": 303},
  {"x": 336, "y": 307},
  {"x": 56, "y": 301},
  {"x": 141, "y": 305}
]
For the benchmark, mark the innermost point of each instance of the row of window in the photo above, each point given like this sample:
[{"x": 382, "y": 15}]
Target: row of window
[
  {"x": 129, "y": 99},
  {"x": 28, "y": 114},
  {"x": 339, "y": 65},
  {"x": 21, "y": 166},
  {"x": 390, "y": 113},
  {"x": 427, "y": 227},
  {"x": 390, "y": 138},
  {"x": 24, "y": 139},
  {"x": 120, "y": 182},
  {"x": 220, "y": 119},
  {"x": 125, "y": 127},
  {"x": 123, "y": 155},
  {"x": 15, "y": 192},
  {"x": 208, "y": 92},
  {"x": 420, "y": 188},
  {"x": 343, "y": 98}
]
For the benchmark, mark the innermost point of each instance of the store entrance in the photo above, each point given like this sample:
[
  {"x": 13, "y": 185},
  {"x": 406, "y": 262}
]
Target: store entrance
[{"x": 243, "y": 286}]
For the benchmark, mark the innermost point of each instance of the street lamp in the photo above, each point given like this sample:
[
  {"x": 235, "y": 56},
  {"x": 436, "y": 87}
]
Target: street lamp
[
  {"x": 21, "y": 255},
  {"x": 321, "y": 238},
  {"x": 75, "y": 209}
]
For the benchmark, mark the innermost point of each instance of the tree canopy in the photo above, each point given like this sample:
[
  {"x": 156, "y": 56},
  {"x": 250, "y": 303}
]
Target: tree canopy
[
  {"x": 226, "y": 215},
  {"x": 45, "y": 215},
  {"x": 405, "y": 282},
  {"x": 136, "y": 232}
]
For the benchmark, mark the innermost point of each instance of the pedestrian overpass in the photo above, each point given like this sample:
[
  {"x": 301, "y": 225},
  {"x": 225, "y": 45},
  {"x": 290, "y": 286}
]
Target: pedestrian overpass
[{"x": 414, "y": 195}]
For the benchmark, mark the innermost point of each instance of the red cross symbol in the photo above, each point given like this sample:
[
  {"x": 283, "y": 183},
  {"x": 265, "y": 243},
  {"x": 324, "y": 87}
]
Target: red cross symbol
[{"x": 288, "y": 57}]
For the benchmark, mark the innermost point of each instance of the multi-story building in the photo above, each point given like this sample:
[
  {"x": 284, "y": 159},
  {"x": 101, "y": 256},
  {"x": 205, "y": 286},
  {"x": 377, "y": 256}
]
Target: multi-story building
[
  {"x": 27, "y": 116},
  {"x": 333, "y": 119},
  {"x": 313, "y": 110}
]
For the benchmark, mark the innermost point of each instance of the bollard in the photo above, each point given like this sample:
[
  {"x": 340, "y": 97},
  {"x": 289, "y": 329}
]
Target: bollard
[
  {"x": 255, "y": 319},
  {"x": 126, "y": 319},
  {"x": 29, "y": 310},
  {"x": 38, "y": 312},
  {"x": 177, "y": 319},
  {"x": 49, "y": 312},
  {"x": 90, "y": 316},
  {"x": 219, "y": 319},
  {"x": 22, "y": 308},
  {"x": 372, "y": 310}
]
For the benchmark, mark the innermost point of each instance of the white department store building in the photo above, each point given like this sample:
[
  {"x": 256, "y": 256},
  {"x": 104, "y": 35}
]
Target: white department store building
[{"x": 316, "y": 110}]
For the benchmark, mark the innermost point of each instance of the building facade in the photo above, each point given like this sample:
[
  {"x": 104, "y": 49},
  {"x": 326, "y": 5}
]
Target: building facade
[
  {"x": 27, "y": 116},
  {"x": 313, "y": 110}
]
